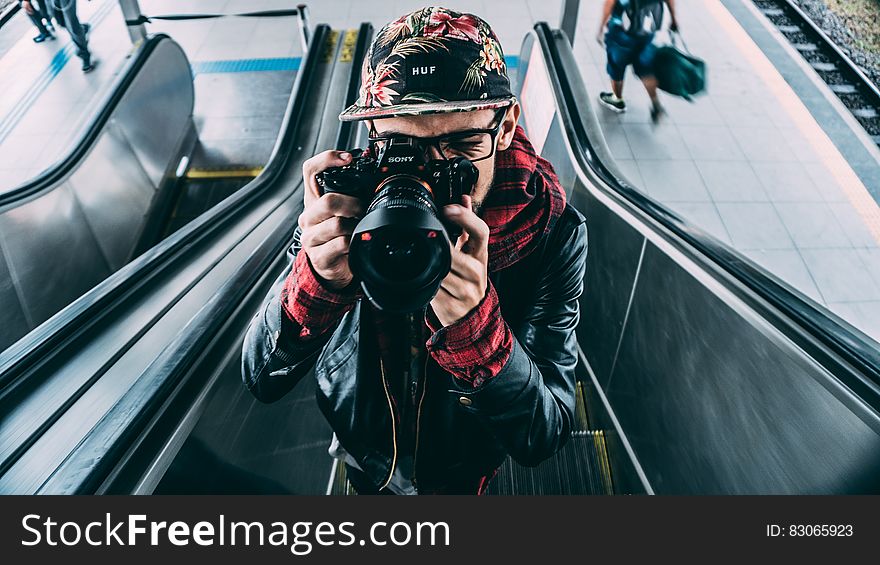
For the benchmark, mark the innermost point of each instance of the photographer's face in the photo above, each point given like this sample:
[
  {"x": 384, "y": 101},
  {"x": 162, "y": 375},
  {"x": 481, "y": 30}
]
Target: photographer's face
[{"x": 433, "y": 125}]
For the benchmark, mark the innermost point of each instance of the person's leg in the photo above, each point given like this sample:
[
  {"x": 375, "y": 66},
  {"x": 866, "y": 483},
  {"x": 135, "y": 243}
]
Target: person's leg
[
  {"x": 76, "y": 29},
  {"x": 657, "y": 110},
  {"x": 650, "y": 83},
  {"x": 644, "y": 67},
  {"x": 45, "y": 9},
  {"x": 37, "y": 19},
  {"x": 55, "y": 13},
  {"x": 38, "y": 23},
  {"x": 618, "y": 56}
]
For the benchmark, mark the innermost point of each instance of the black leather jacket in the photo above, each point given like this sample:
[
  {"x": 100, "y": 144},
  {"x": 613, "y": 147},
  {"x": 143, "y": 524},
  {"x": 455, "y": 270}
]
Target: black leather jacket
[{"x": 527, "y": 410}]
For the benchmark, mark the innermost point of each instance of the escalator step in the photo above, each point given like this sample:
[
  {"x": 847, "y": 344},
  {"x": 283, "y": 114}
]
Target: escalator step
[
  {"x": 340, "y": 485},
  {"x": 581, "y": 467},
  {"x": 582, "y": 420},
  {"x": 604, "y": 461}
]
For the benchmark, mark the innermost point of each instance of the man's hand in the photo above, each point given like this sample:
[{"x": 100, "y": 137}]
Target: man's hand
[
  {"x": 328, "y": 222},
  {"x": 465, "y": 285},
  {"x": 28, "y": 8}
]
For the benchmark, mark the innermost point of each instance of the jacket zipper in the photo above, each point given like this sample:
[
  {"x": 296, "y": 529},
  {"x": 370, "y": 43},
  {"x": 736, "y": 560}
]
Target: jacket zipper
[
  {"x": 393, "y": 426},
  {"x": 418, "y": 420}
]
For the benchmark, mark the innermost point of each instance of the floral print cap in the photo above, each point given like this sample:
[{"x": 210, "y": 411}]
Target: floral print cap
[{"x": 431, "y": 61}]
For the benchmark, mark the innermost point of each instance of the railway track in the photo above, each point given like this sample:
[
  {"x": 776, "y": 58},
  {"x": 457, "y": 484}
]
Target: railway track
[{"x": 846, "y": 79}]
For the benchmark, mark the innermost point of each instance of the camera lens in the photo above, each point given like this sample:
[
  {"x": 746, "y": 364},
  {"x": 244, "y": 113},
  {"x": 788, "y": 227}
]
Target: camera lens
[
  {"x": 400, "y": 250},
  {"x": 402, "y": 255}
]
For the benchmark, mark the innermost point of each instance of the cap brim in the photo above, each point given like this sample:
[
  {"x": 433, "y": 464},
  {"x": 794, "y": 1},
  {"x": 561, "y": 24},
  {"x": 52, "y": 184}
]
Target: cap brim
[{"x": 355, "y": 112}]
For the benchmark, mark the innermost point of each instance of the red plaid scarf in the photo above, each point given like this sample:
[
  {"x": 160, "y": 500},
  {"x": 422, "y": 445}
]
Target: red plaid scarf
[{"x": 523, "y": 205}]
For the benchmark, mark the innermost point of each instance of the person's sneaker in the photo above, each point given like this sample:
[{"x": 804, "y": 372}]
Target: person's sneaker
[
  {"x": 657, "y": 113},
  {"x": 88, "y": 65},
  {"x": 43, "y": 37},
  {"x": 612, "y": 102}
]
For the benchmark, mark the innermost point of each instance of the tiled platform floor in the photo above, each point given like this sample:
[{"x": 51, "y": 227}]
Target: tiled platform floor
[{"x": 750, "y": 165}]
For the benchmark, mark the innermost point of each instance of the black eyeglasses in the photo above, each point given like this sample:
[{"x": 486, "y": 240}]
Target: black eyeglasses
[{"x": 472, "y": 144}]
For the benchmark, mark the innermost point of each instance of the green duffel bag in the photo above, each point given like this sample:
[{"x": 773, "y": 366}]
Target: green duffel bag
[{"x": 678, "y": 72}]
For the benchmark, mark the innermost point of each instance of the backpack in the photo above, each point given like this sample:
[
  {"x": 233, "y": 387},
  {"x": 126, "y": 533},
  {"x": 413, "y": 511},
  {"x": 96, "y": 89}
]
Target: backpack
[{"x": 643, "y": 17}]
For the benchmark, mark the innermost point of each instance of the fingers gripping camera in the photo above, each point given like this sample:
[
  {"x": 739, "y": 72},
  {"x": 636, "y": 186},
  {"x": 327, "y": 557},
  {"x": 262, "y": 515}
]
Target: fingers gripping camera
[{"x": 401, "y": 250}]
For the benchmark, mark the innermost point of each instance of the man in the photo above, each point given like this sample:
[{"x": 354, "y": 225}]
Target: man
[
  {"x": 435, "y": 401},
  {"x": 631, "y": 25},
  {"x": 64, "y": 11},
  {"x": 38, "y": 12}
]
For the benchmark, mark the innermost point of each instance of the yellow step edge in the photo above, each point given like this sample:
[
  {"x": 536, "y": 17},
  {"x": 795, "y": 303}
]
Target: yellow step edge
[
  {"x": 223, "y": 174},
  {"x": 580, "y": 407},
  {"x": 602, "y": 449}
]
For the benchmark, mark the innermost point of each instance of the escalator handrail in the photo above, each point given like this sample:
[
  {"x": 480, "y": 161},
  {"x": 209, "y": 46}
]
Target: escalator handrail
[
  {"x": 76, "y": 318},
  {"x": 113, "y": 434},
  {"x": 857, "y": 362},
  {"x": 354, "y": 81},
  {"x": 90, "y": 133}
]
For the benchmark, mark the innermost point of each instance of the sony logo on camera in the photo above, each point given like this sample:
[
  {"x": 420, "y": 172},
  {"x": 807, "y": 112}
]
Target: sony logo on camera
[{"x": 400, "y": 159}]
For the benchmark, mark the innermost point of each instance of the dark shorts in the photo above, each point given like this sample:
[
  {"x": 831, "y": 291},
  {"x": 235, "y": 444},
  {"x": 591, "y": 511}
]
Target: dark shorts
[{"x": 624, "y": 49}]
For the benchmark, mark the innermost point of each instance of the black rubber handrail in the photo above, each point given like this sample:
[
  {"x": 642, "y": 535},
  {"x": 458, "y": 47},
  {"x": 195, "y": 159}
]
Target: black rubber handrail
[
  {"x": 10, "y": 11},
  {"x": 84, "y": 313},
  {"x": 142, "y": 19},
  {"x": 96, "y": 456},
  {"x": 858, "y": 359},
  {"x": 90, "y": 133}
]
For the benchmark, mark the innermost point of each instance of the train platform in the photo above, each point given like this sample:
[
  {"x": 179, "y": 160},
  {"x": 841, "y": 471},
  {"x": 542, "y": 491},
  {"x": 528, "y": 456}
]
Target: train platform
[{"x": 748, "y": 162}]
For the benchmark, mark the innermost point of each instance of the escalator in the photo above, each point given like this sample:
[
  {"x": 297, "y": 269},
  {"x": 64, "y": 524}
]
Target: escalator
[
  {"x": 750, "y": 388},
  {"x": 133, "y": 176},
  {"x": 699, "y": 372},
  {"x": 87, "y": 215},
  {"x": 92, "y": 382}
]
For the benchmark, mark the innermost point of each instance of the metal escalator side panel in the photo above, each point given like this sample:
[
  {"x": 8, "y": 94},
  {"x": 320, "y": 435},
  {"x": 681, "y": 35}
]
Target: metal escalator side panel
[
  {"x": 723, "y": 380},
  {"x": 90, "y": 227},
  {"x": 90, "y": 132}
]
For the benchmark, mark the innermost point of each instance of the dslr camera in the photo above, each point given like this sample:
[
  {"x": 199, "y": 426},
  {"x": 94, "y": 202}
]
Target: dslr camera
[{"x": 401, "y": 250}]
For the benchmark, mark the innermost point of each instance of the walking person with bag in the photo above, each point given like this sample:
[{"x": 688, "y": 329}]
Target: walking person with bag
[{"x": 627, "y": 30}]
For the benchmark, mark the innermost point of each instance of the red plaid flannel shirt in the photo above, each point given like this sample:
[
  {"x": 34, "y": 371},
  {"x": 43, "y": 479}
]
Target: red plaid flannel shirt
[{"x": 523, "y": 204}]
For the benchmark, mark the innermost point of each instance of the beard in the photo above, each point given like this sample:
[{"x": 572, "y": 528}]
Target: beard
[{"x": 481, "y": 190}]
